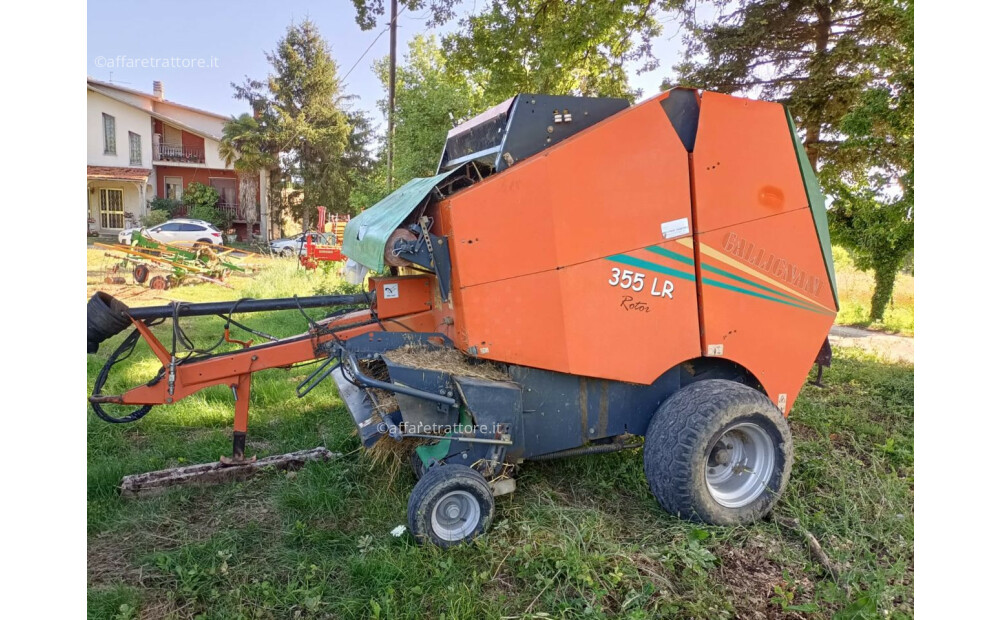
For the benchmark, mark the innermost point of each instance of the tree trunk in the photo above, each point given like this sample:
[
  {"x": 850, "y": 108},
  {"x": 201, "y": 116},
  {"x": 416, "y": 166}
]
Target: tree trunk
[
  {"x": 248, "y": 199},
  {"x": 885, "y": 279},
  {"x": 818, "y": 66}
]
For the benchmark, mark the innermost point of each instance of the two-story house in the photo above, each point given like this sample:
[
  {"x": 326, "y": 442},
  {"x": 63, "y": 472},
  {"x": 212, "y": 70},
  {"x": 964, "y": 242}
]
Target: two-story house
[{"x": 141, "y": 146}]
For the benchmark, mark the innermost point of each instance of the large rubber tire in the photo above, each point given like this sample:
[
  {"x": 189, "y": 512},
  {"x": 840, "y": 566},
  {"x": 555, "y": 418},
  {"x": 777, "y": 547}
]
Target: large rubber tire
[
  {"x": 106, "y": 316},
  {"x": 440, "y": 485},
  {"x": 682, "y": 435}
]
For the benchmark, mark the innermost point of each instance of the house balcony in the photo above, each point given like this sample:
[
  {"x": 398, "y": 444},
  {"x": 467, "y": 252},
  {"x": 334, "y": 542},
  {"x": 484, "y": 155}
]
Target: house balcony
[
  {"x": 179, "y": 153},
  {"x": 231, "y": 209}
]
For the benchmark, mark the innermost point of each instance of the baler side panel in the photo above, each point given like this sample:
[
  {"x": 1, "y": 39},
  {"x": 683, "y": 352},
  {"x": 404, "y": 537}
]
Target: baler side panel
[
  {"x": 606, "y": 190},
  {"x": 744, "y": 162},
  {"x": 574, "y": 320},
  {"x": 767, "y": 303}
]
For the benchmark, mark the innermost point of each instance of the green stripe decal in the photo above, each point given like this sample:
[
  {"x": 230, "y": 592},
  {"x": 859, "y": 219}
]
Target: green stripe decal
[
  {"x": 730, "y": 287},
  {"x": 722, "y": 272},
  {"x": 670, "y": 254},
  {"x": 645, "y": 264}
]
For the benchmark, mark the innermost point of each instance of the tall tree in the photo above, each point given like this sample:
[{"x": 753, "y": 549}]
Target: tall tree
[
  {"x": 833, "y": 63},
  {"x": 429, "y": 101},
  {"x": 438, "y": 11},
  {"x": 557, "y": 47},
  {"x": 302, "y": 102},
  {"x": 360, "y": 163},
  {"x": 870, "y": 174}
]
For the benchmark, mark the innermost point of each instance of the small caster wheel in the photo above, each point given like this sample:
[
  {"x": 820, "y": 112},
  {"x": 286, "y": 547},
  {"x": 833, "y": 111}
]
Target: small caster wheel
[{"x": 449, "y": 505}]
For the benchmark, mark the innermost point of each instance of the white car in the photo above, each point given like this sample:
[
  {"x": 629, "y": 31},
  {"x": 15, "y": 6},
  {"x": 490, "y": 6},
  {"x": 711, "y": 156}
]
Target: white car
[
  {"x": 290, "y": 246},
  {"x": 180, "y": 230}
]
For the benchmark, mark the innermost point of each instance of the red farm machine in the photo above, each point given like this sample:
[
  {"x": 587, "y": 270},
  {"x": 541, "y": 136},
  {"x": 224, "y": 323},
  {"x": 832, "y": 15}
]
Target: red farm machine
[{"x": 581, "y": 276}]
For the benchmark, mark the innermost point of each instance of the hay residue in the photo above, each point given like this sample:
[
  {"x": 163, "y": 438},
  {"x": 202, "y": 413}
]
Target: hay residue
[
  {"x": 394, "y": 456},
  {"x": 447, "y": 359}
]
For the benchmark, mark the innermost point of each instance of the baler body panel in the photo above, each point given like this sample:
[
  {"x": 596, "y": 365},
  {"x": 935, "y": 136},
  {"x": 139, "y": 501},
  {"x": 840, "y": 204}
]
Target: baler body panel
[
  {"x": 547, "y": 256},
  {"x": 744, "y": 164},
  {"x": 605, "y": 190},
  {"x": 766, "y": 294},
  {"x": 574, "y": 320}
]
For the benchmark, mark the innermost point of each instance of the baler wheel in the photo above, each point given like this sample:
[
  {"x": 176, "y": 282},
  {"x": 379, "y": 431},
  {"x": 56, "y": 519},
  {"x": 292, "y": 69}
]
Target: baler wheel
[
  {"x": 159, "y": 283},
  {"x": 719, "y": 452},
  {"x": 140, "y": 273},
  {"x": 449, "y": 505}
]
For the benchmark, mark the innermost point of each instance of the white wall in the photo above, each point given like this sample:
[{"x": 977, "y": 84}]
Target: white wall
[
  {"x": 212, "y": 159},
  {"x": 127, "y": 119},
  {"x": 203, "y": 123},
  {"x": 131, "y": 199}
]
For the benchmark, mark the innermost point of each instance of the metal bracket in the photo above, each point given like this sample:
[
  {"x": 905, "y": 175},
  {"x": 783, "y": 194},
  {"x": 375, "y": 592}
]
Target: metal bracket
[{"x": 429, "y": 251}]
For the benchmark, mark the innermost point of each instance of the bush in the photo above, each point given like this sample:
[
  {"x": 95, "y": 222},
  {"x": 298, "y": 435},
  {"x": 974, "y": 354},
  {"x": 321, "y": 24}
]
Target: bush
[
  {"x": 155, "y": 217},
  {"x": 200, "y": 195},
  {"x": 169, "y": 205},
  {"x": 209, "y": 214}
]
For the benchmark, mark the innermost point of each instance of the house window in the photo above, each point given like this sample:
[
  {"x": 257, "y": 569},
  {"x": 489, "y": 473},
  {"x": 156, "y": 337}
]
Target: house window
[
  {"x": 134, "y": 149},
  {"x": 109, "y": 135},
  {"x": 173, "y": 187},
  {"x": 112, "y": 208}
]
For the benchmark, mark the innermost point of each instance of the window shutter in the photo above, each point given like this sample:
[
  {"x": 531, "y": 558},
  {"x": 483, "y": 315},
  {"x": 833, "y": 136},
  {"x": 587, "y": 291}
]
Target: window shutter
[{"x": 109, "y": 134}]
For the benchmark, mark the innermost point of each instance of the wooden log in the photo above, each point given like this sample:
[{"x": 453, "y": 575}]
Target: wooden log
[{"x": 155, "y": 482}]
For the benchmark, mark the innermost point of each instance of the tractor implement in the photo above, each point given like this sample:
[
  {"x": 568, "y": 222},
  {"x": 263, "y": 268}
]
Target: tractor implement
[{"x": 672, "y": 285}]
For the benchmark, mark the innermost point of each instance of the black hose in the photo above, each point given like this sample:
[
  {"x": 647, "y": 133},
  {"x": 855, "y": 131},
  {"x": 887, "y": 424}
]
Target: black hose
[{"x": 121, "y": 353}]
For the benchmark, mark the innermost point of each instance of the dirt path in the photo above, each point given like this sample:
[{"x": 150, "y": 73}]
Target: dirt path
[{"x": 888, "y": 346}]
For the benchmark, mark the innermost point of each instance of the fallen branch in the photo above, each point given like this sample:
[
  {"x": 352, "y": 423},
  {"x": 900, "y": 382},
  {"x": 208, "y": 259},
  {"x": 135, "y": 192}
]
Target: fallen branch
[
  {"x": 213, "y": 473},
  {"x": 814, "y": 547}
]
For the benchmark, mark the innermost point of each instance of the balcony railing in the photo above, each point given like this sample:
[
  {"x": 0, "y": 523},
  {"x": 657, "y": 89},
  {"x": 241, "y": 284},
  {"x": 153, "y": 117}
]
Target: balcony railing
[
  {"x": 177, "y": 152},
  {"x": 232, "y": 209}
]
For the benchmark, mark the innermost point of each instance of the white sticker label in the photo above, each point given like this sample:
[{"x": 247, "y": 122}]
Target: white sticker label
[
  {"x": 390, "y": 291},
  {"x": 714, "y": 349},
  {"x": 675, "y": 228},
  {"x": 782, "y": 402}
]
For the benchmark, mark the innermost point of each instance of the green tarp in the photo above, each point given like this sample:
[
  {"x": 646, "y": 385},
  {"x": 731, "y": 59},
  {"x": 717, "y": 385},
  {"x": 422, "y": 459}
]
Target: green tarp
[
  {"x": 366, "y": 235},
  {"x": 817, "y": 203}
]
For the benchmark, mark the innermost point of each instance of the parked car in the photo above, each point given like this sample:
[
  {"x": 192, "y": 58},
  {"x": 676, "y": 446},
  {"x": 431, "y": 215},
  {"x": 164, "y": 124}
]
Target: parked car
[
  {"x": 289, "y": 246},
  {"x": 181, "y": 230}
]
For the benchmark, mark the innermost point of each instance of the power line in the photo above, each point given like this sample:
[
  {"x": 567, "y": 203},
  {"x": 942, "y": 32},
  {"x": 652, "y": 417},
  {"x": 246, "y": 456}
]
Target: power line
[{"x": 368, "y": 49}]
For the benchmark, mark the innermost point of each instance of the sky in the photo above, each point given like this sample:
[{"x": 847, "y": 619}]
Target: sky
[{"x": 229, "y": 39}]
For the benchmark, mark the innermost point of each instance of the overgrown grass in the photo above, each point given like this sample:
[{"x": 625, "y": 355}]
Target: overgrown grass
[
  {"x": 855, "y": 291},
  {"x": 580, "y": 537}
]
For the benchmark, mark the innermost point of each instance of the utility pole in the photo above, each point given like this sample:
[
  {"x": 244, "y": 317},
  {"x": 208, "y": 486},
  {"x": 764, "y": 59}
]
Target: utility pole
[{"x": 392, "y": 84}]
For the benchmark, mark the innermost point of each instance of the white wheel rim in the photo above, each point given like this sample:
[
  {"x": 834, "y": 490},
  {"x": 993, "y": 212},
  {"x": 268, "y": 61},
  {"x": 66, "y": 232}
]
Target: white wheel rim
[
  {"x": 739, "y": 465},
  {"x": 455, "y": 515}
]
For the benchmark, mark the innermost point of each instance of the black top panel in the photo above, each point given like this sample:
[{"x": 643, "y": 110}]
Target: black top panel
[{"x": 523, "y": 126}]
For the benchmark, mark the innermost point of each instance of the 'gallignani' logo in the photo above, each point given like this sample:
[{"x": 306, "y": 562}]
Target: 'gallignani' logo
[{"x": 772, "y": 265}]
